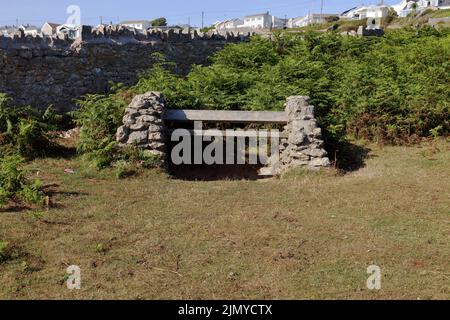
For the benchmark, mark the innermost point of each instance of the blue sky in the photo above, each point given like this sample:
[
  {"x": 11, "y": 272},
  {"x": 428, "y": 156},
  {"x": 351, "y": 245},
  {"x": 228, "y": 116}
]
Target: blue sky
[{"x": 177, "y": 11}]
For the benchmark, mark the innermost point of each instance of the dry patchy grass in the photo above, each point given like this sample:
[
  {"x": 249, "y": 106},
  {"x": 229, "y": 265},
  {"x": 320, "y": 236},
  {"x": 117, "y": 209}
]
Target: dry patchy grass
[{"x": 307, "y": 235}]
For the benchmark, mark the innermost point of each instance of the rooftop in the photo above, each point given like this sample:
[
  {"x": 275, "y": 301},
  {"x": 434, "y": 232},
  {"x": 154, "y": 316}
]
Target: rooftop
[
  {"x": 257, "y": 15},
  {"x": 134, "y": 21}
]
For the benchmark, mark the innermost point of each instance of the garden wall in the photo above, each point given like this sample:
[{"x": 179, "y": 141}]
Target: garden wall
[{"x": 54, "y": 71}]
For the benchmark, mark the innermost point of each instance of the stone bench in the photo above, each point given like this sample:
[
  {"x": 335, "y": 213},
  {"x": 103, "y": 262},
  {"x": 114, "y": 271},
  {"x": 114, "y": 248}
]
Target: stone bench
[{"x": 145, "y": 126}]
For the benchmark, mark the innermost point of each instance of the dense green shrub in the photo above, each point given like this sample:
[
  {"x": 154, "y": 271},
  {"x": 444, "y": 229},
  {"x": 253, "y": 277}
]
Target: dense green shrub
[
  {"x": 391, "y": 89},
  {"x": 14, "y": 185},
  {"x": 25, "y": 131},
  {"x": 99, "y": 116},
  {"x": 388, "y": 89}
]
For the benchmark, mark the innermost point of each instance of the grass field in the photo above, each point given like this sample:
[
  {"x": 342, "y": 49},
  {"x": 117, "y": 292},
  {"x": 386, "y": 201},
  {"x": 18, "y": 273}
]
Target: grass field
[{"x": 304, "y": 236}]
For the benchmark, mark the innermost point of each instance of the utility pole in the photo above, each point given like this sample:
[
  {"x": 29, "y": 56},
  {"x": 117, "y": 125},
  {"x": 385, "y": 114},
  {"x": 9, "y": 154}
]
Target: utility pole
[
  {"x": 321, "y": 11},
  {"x": 101, "y": 20},
  {"x": 203, "y": 19}
]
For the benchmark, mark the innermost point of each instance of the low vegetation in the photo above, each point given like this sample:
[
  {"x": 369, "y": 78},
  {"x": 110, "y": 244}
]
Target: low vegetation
[
  {"x": 99, "y": 116},
  {"x": 14, "y": 185},
  {"x": 392, "y": 89},
  {"x": 304, "y": 236},
  {"x": 24, "y": 135},
  {"x": 25, "y": 131}
]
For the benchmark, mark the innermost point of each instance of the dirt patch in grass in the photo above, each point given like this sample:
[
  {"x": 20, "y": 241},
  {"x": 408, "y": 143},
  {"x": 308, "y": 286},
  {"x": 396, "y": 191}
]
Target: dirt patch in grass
[{"x": 306, "y": 235}]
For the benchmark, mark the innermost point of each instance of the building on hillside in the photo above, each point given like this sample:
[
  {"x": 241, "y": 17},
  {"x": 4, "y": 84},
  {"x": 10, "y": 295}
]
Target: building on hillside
[
  {"x": 167, "y": 28},
  {"x": 29, "y": 30},
  {"x": 443, "y": 4},
  {"x": 312, "y": 18},
  {"x": 7, "y": 30},
  {"x": 71, "y": 31},
  {"x": 49, "y": 29},
  {"x": 278, "y": 23},
  {"x": 229, "y": 24},
  {"x": 258, "y": 21},
  {"x": 263, "y": 21},
  {"x": 408, "y": 6},
  {"x": 365, "y": 12},
  {"x": 137, "y": 24},
  {"x": 377, "y": 11}
]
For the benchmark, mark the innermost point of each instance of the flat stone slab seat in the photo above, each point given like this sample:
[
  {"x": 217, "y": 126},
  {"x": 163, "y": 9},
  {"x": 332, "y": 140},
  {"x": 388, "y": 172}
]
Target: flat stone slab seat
[{"x": 225, "y": 116}]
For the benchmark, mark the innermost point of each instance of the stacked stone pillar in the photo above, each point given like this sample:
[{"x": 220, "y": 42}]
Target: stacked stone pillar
[
  {"x": 143, "y": 124},
  {"x": 302, "y": 145}
]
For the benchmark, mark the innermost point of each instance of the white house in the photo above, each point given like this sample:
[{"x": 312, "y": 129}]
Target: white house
[
  {"x": 263, "y": 21},
  {"x": 137, "y": 24},
  {"x": 364, "y": 12},
  {"x": 258, "y": 21},
  {"x": 7, "y": 30},
  {"x": 278, "y": 23},
  {"x": 71, "y": 31},
  {"x": 49, "y": 29},
  {"x": 310, "y": 19},
  {"x": 377, "y": 11},
  {"x": 229, "y": 24},
  {"x": 29, "y": 30},
  {"x": 407, "y": 6}
]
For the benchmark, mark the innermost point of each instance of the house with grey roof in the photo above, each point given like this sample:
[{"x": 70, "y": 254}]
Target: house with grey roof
[
  {"x": 49, "y": 28},
  {"x": 263, "y": 21},
  {"x": 29, "y": 30},
  {"x": 137, "y": 24},
  {"x": 69, "y": 30},
  {"x": 311, "y": 19},
  {"x": 258, "y": 21},
  {"x": 229, "y": 24},
  {"x": 7, "y": 30}
]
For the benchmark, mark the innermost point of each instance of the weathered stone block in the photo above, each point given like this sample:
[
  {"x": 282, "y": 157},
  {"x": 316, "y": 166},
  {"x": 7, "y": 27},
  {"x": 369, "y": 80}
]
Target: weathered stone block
[
  {"x": 316, "y": 153},
  {"x": 320, "y": 162},
  {"x": 155, "y": 136},
  {"x": 122, "y": 134},
  {"x": 138, "y": 137}
]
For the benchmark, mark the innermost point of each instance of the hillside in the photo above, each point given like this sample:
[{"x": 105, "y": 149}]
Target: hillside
[{"x": 393, "y": 22}]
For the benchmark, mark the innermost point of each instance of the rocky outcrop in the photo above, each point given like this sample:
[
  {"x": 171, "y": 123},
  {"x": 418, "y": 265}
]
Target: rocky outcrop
[{"x": 143, "y": 125}]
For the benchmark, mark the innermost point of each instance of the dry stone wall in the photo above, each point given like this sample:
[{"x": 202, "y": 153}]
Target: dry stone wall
[{"x": 54, "y": 71}]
